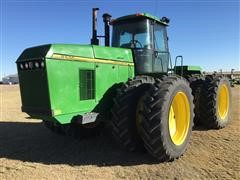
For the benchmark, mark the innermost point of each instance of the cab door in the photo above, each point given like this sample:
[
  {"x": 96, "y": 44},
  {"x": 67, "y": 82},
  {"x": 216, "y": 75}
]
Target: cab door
[{"x": 161, "y": 52}]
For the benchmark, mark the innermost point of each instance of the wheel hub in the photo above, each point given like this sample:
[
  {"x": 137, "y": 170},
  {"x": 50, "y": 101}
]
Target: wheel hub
[
  {"x": 223, "y": 102},
  {"x": 179, "y": 118}
]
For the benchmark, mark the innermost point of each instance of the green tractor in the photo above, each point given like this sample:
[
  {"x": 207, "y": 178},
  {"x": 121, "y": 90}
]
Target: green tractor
[{"x": 150, "y": 103}]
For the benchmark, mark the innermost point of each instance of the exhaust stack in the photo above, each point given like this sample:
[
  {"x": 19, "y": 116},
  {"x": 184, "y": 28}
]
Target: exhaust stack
[
  {"x": 106, "y": 20},
  {"x": 94, "y": 40}
]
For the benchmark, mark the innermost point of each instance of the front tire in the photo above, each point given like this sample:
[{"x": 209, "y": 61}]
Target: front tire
[{"x": 167, "y": 118}]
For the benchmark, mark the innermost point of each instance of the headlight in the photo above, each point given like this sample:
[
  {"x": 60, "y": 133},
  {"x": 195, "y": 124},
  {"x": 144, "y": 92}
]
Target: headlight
[
  {"x": 42, "y": 64},
  {"x": 30, "y": 65},
  {"x": 36, "y": 64},
  {"x": 21, "y": 66},
  {"x": 26, "y": 65}
]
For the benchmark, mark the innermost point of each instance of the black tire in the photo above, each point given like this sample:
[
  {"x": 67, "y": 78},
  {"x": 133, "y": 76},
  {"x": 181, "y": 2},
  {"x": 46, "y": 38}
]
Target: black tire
[
  {"x": 196, "y": 84},
  {"x": 123, "y": 121},
  {"x": 54, "y": 127},
  {"x": 155, "y": 118},
  {"x": 210, "y": 117}
]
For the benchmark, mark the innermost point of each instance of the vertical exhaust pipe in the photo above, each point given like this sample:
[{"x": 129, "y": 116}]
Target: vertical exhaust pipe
[
  {"x": 94, "y": 40},
  {"x": 106, "y": 20}
]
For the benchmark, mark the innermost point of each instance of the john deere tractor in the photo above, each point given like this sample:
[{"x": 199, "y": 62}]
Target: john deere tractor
[{"x": 133, "y": 85}]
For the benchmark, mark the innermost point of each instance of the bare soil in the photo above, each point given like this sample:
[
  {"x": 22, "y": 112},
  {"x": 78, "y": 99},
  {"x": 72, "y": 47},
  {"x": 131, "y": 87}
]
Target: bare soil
[{"x": 30, "y": 151}]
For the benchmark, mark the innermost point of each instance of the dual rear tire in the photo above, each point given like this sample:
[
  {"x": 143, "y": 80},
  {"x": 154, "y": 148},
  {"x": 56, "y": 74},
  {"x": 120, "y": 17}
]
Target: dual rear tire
[{"x": 214, "y": 102}]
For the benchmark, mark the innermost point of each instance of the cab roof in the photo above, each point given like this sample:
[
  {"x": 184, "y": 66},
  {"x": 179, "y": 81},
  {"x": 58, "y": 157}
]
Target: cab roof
[{"x": 146, "y": 15}]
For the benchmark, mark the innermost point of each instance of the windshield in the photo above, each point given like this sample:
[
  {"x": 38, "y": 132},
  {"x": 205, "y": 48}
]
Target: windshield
[{"x": 132, "y": 35}]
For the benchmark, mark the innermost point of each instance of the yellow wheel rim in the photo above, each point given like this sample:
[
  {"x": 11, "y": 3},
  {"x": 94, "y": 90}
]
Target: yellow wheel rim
[
  {"x": 179, "y": 118},
  {"x": 223, "y": 102}
]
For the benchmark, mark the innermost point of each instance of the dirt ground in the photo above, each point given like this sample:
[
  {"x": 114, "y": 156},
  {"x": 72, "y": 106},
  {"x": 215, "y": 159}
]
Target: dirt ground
[{"x": 30, "y": 151}]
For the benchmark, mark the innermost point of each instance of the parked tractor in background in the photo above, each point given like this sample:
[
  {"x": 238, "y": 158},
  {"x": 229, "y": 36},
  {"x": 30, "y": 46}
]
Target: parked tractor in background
[{"x": 132, "y": 85}]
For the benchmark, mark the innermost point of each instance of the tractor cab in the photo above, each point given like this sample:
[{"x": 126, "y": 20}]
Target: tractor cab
[{"x": 146, "y": 35}]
